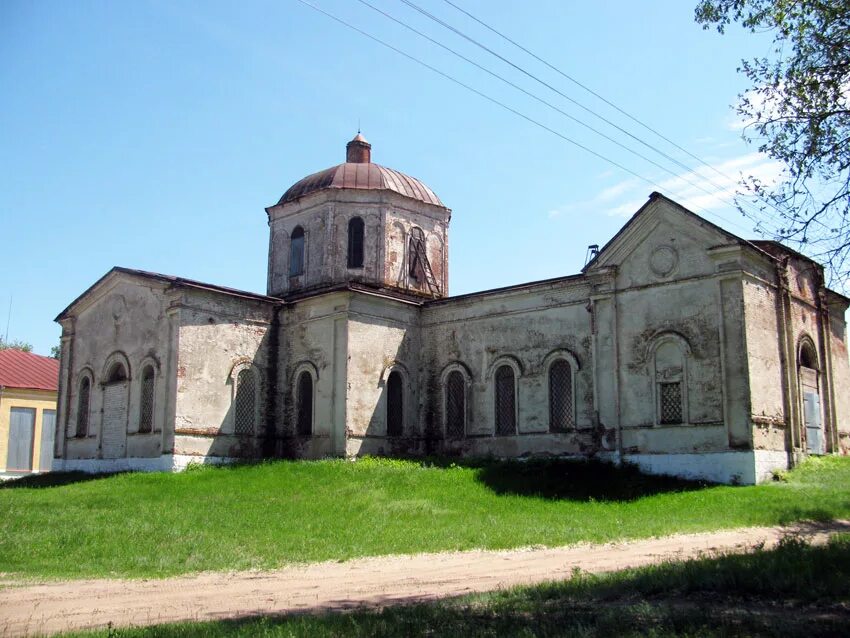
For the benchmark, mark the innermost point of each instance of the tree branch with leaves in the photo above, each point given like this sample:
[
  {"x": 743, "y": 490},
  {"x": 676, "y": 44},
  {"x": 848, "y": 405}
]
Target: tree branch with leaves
[{"x": 798, "y": 112}]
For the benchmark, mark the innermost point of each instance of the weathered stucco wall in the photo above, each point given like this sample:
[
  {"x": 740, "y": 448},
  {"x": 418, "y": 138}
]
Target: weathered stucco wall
[
  {"x": 383, "y": 337},
  {"x": 527, "y": 329},
  {"x": 125, "y": 320},
  {"x": 324, "y": 217},
  {"x": 218, "y": 336},
  {"x": 313, "y": 338},
  {"x": 837, "y": 335}
]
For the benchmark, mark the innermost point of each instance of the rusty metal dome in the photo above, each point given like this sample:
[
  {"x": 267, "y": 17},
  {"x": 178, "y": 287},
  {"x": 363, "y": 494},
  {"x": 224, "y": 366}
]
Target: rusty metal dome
[{"x": 358, "y": 172}]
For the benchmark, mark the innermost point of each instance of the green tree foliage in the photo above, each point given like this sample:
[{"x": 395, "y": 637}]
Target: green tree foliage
[
  {"x": 55, "y": 351},
  {"x": 798, "y": 111},
  {"x": 15, "y": 344}
]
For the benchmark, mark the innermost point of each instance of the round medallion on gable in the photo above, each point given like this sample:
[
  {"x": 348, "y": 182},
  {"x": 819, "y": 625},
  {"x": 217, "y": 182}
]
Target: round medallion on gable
[{"x": 663, "y": 261}]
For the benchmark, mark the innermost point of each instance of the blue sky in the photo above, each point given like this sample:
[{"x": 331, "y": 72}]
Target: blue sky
[{"x": 152, "y": 134}]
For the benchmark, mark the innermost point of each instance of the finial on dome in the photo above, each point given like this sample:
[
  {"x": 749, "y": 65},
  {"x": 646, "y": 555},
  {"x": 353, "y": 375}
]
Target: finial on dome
[{"x": 358, "y": 150}]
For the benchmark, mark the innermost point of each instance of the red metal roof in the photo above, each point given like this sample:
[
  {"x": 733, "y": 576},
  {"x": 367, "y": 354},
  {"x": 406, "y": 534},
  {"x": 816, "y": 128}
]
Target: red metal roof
[{"x": 20, "y": 369}]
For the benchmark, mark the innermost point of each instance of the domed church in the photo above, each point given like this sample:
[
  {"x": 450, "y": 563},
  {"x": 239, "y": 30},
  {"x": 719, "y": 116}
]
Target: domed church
[{"x": 679, "y": 347}]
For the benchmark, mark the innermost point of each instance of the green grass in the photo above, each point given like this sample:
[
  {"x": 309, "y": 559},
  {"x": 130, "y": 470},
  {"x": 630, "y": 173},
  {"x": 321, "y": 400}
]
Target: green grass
[
  {"x": 270, "y": 514},
  {"x": 794, "y": 590}
]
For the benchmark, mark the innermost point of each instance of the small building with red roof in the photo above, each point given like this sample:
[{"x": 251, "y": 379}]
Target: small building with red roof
[{"x": 29, "y": 384}]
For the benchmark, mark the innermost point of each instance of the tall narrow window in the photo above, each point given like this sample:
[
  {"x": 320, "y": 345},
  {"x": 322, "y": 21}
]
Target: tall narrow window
[
  {"x": 455, "y": 405},
  {"x": 245, "y": 403},
  {"x": 505, "y": 401},
  {"x": 304, "y": 404},
  {"x": 296, "y": 252},
  {"x": 671, "y": 381},
  {"x": 83, "y": 402},
  {"x": 395, "y": 405},
  {"x": 146, "y": 401},
  {"x": 355, "y": 243},
  {"x": 560, "y": 396},
  {"x": 417, "y": 256}
]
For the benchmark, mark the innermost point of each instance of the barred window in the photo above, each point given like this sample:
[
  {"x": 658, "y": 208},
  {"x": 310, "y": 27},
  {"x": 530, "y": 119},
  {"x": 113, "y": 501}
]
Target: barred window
[
  {"x": 304, "y": 404},
  {"x": 395, "y": 405},
  {"x": 245, "y": 403},
  {"x": 83, "y": 402},
  {"x": 505, "y": 401},
  {"x": 671, "y": 403},
  {"x": 671, "y": 380},
  {"x": 146, "y": 400},
  {"x": 355, "y": 243},
  {"x": 455, "y": 405},
  {"x": 296, "y": 252},
  {"x": 561, "y": 414}
]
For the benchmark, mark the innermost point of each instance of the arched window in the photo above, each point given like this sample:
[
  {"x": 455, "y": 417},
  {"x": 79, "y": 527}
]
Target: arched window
[
  {"x": 355, "y": 243},
  {"x": 296, "y": 252},
  {"x": 505, "y": 401},
  {"x": 808, "y": 356},
  {"x": 455, "y": 393},
  {"x": 417, "y": 256},
  {"x": 395, "y": 404},
  {"x": 304, "y": 404},
  {"x": 146, "y": 400},
  {"x": 670, "y": 380},
  {"x": 245, "y": 402},
  {"x": 117, "y": 373},
  {"x": 83, "y": 403},
  {"x": 561, "y": 400}
]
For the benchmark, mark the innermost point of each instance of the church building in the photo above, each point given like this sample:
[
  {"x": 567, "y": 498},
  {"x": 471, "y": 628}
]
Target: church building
[{"x": 679, "y": 347}]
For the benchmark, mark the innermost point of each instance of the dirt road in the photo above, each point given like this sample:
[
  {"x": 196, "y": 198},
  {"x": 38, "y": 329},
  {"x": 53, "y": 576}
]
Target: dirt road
[{"x": 27, "y": 609}]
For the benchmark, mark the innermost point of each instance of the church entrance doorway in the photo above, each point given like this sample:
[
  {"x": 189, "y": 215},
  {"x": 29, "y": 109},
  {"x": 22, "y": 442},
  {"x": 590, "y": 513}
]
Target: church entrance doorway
[{"x": 810, "y": 391}]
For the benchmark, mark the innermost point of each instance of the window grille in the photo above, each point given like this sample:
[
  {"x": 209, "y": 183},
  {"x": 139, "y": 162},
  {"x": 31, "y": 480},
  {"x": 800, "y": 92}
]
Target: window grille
[
  {"x": 671, "y": 402},
  {"x": 560, "y": 396},
  {"x": 296, "y": 252},
  {"x": 355, "y": 243},
  {"x": 395, "y": 405},
  {"x": 505, "y": 401},
  {"x": 304, "y": 404},
  {"x": 455, "y": 405},
  {"x": 244, "y": 408},
  {"x": 146, "y": 403},
  {"x": 83, "y": 401}
]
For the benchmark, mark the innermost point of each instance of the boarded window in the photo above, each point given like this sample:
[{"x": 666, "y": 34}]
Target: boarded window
[
  {"x": 245, "y": 404},
  {"x": 671, "y": 402},
  {"x": 417, "y": 255},
  {"x": 146, "y": 400},
  {"x": 83, "y": 402},
  {"x": 296, "y": 252},
  {"x": 455, "y": 405},
  {"x": 304, "y": 404},
  {"x": 395, "y": 405},
  {"x": 355, "y": 243},
  {"x": 560, "y": 396},
  {"x": 505, "y": 401}
]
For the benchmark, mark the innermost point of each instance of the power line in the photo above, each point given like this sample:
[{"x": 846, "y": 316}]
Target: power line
[
  {"x": 497, "y": 102},
  {"x": 619, "y": 110},
  {"x": 687, "y": 168},
  {"x": 684, "y": 178}
]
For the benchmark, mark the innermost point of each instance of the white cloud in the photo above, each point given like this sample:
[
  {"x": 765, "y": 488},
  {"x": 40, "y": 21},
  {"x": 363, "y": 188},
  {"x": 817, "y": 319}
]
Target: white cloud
[{"x": 707, "y": 190}]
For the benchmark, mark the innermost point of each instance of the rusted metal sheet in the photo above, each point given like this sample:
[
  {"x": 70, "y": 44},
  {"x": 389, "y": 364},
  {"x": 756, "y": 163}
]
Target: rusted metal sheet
[{"x": 364, "y": 177}]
